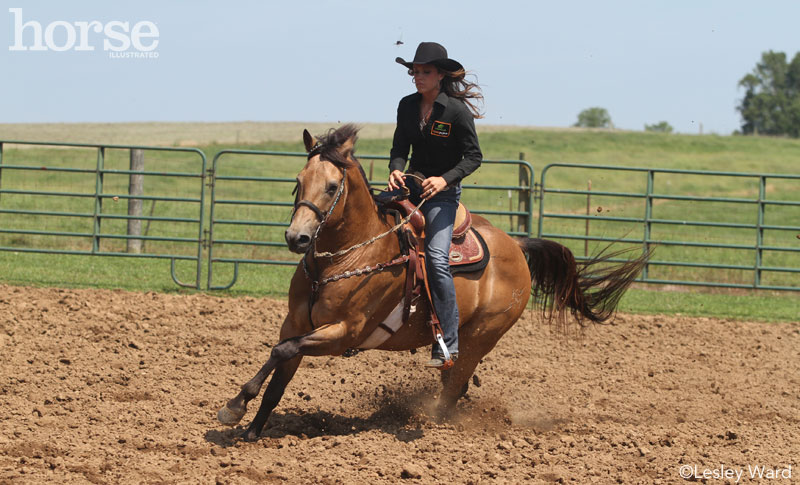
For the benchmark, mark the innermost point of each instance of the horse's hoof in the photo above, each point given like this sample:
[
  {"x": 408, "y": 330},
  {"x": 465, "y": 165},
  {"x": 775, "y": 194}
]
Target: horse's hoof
[
  {"x": 250, "y": 436},
  {"x": 229, "y": 417}
]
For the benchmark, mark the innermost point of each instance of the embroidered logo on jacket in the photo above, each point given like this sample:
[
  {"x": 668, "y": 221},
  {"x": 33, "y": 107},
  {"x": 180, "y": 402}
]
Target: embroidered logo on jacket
[{"x": 440, "y": 128}]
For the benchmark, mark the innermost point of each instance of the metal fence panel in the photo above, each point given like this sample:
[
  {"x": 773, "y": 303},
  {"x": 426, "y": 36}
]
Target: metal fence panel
[
  {"x": 251, "y": 203},
  {"x": 77, "y": 201},
  {"x": 746, "y": 236}
]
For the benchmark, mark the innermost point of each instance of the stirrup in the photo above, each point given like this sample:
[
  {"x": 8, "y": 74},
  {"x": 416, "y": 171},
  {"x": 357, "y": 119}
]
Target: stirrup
[
  {"x": 442, "y": 346},
  {"x": 440, "y": 363},
  {"x": 444, "y": 361}
]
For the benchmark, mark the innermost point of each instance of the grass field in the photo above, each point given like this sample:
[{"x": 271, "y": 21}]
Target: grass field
[{"x": 540, "y": 147}]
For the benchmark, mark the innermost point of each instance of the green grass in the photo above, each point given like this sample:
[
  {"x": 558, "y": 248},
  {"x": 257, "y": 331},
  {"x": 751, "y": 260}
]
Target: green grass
[
  {"x": 540, "y": 147},
  {"x": 751, "y": 306}
]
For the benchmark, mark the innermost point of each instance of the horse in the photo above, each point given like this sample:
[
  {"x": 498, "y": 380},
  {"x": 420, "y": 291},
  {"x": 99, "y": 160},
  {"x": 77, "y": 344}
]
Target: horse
[{"x": 350, "y": 283}]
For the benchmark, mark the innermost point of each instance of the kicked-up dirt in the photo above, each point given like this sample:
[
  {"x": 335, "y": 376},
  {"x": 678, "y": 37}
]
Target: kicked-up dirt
[{"x": 119, "y": 387}]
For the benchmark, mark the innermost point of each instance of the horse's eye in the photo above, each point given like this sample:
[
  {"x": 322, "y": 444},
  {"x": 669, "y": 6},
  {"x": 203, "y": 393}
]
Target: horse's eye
[{"x": 331, "y": 189}]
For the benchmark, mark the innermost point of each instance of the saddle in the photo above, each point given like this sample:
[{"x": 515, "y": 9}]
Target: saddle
[
  {"x": 466, "y": 247},
  {"x": 468, "y": 250}
]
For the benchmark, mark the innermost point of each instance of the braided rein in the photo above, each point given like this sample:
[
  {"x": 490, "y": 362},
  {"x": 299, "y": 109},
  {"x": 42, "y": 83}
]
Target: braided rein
[
  {"x": 396, "y": 227},
  {"x": 316, "y": 284}
]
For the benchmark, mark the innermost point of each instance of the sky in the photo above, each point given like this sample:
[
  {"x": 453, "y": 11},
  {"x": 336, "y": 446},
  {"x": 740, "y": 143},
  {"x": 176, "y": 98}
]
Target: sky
[{"x": 538, "y": 63}]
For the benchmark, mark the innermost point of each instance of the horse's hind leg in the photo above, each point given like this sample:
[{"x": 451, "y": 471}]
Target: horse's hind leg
[
  {"x": 475, "y": 341},
  {"x": 455, "y": 381}
]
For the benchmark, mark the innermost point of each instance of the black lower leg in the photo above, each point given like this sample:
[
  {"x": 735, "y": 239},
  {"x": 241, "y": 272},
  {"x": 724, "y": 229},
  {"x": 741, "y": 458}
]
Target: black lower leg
[
  {"x": 236, "y": 408},
  {"x": 272, "y": 396},
  {"x": 238, "y": 405}
]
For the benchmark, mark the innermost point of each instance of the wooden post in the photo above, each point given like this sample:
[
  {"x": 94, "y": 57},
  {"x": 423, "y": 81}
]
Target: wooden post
[
  {"x": 135, "y": 187},
  {"x": 524, "y": 201},
  {"x": 588, "y": 211}
]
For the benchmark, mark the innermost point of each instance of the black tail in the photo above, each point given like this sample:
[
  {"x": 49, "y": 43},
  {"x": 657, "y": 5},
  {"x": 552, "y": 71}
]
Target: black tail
[{"x": 590, "y": 290}]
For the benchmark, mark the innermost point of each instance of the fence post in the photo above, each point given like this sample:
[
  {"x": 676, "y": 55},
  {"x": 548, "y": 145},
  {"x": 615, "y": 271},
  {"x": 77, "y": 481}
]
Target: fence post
[
  {"x": 648, "y": 214},
  {"x": 1, "y": 165},
  {"x": 135, "y": 188},
  {"x": 524, "y": 201},
  {"x": 588, "y": 211},
  {"x": 98, "y": 199},
  {"x": 762, "y": 195}
]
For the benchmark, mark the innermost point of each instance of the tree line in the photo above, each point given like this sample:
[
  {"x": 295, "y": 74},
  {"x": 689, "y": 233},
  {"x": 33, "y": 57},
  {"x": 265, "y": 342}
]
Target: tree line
[{"x": 771, "y": 103}]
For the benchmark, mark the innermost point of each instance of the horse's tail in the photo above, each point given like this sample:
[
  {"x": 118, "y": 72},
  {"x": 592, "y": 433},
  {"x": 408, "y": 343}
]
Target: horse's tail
[{"x": 590, "y": 290}]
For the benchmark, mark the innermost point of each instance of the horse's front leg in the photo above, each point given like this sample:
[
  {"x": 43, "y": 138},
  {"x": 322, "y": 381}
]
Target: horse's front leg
[
  {"x": 272, "y": 396},
  {"x": 286, "y": 356},
  {"x": 235, "y": 409}
]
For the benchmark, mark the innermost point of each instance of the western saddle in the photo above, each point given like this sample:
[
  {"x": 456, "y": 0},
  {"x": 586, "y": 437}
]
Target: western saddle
[{"x": 468, "y": 251}]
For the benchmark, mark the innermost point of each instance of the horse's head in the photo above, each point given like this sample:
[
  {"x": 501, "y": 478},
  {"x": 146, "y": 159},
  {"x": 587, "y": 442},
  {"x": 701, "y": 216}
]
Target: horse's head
[{"x": 321, "y": 185}]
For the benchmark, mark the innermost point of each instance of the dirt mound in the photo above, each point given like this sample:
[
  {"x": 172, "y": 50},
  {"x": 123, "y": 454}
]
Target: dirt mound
[{"x": 120, "y": 387}]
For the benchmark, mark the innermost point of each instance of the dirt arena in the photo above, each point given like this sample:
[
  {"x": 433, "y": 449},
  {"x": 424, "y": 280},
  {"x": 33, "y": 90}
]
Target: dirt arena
[{"x": 119, "y": 387}]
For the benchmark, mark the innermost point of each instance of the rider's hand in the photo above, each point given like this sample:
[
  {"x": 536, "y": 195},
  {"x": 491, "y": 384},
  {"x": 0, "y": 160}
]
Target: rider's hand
[
  {"x": 396, "y": 180},
  {"x": 432, "y": 186}
]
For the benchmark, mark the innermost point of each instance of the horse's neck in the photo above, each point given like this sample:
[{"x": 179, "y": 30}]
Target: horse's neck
[{"x": 360, "y": 222}]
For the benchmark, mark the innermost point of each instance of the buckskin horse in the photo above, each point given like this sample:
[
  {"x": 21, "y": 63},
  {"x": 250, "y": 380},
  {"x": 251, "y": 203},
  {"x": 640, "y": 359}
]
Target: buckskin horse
[{"x": 348, "y": 290}]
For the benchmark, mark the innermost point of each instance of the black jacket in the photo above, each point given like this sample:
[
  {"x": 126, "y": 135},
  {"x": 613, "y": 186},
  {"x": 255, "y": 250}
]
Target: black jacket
[{"x": 447, "y": 146}]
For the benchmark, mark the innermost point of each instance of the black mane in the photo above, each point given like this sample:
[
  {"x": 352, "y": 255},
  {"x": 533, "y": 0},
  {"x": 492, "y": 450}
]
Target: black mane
[{"x": 330, "y": 142}]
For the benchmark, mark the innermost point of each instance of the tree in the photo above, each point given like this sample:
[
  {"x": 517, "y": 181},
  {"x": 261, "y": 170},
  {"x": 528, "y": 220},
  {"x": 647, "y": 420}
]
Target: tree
[
  {"x": 594, "y": 118},
  {"x": 660, "y": 127},
  {"x": 771, "y": 103}
]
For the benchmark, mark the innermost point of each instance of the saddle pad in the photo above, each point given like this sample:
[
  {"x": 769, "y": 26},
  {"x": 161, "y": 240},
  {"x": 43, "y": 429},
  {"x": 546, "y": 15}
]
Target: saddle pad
[
  {"x": 466, "y": 249},
  {"x": 468, "y": 253}
]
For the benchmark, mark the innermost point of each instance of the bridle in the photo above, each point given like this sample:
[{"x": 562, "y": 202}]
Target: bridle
[
  {"x": 312, "y": 252},
  {"x": 321, "y": 216}
]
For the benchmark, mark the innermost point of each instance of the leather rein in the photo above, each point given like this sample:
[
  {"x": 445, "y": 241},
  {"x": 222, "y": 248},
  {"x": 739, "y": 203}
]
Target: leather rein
[{"x": 316, "y": 283}]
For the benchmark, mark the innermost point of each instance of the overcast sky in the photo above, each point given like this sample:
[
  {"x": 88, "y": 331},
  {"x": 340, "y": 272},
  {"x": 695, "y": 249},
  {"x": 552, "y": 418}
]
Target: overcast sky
[{"x": 539, "y": 63}]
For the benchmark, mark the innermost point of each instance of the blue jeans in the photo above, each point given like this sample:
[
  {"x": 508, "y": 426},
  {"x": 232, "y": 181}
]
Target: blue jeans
[{"x": 440, "y": 215}]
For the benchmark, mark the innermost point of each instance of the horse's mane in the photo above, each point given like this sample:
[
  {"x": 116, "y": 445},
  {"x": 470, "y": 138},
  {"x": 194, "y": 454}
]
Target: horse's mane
[{"x": 329, "y": 148}]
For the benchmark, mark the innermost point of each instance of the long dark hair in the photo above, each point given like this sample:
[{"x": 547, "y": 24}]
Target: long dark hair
[{"x": 455, "y": 85}]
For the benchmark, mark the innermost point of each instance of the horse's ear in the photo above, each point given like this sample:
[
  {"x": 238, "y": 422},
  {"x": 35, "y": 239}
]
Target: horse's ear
[
  {"x": 308, "y": 140},
  {"x": 346, "y": 148}
]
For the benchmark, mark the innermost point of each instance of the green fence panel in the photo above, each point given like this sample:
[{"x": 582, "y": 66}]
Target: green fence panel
[
  {"x": 251, "y": 203},
  {"x": 77, "y": 199},
  {"x": 744, "y": 236}
]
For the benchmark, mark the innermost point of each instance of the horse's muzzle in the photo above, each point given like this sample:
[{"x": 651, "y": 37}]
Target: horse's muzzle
[{"x": 298, "y": 241}]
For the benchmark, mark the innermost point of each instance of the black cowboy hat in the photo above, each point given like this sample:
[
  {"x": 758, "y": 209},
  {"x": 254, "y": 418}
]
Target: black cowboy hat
[{"x": 432, "y": 53}]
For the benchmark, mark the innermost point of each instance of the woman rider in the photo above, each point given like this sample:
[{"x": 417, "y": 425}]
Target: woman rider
[{"x": 438, "y": 122}]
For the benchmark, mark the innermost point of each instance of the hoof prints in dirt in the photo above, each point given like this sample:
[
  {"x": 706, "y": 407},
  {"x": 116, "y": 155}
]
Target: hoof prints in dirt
[{"x": 112, "y": 386}]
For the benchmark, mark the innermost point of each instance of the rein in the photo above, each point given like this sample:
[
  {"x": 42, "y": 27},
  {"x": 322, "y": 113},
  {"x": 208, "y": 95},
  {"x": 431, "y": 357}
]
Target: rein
[
  {"x": 396, "y": 227},
  {"x": 323, "y": 217}
]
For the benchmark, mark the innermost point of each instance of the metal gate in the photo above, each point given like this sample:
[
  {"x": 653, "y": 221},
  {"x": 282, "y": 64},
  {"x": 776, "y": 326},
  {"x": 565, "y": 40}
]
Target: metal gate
[
  {"x": 747, "y": 236},
  {"x": 80, "y": 202},
  {"x": 251, "y": 203}
]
